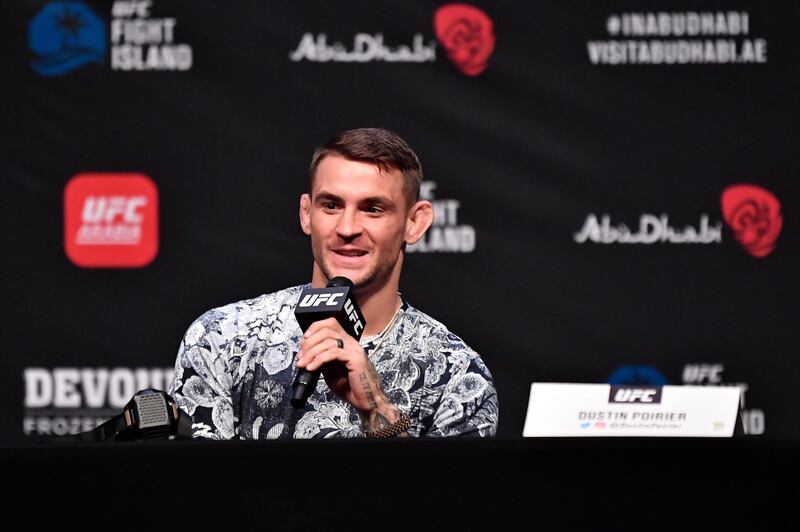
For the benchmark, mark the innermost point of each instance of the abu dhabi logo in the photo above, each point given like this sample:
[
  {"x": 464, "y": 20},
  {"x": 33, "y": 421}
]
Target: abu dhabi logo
[
  {"x": 652, "y": 229},
  {"x": 752, "y": 212},
  {"x": 467, "y": 33},
  {"x": 754, "y": 215},
  {"x": 64, "y": 36}
]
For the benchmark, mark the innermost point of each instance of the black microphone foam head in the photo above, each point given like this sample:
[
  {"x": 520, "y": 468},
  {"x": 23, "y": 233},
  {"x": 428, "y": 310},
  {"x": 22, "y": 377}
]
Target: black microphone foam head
[{"x": 341, "y": 281}]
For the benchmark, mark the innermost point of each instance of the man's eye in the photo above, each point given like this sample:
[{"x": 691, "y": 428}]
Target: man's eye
[
  {"x": 329, "y": 205},
  {"x": 374, "y": 209}
]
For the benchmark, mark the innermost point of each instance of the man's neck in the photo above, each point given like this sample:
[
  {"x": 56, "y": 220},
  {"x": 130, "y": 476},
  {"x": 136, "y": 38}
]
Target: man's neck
[
  {"x": 379, "y": 302},
  {"x": 378, "y": 305},
  {"x": 378, "y": 308}
]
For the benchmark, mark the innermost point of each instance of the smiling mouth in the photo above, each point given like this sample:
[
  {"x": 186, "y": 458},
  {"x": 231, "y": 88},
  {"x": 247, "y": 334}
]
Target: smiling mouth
[{"x": 350, "y": 253}]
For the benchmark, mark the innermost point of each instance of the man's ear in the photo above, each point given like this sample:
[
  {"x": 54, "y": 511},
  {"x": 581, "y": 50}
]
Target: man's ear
[
  {"x": 305, "y": 213},
  {"x": 420, "y": 218}
]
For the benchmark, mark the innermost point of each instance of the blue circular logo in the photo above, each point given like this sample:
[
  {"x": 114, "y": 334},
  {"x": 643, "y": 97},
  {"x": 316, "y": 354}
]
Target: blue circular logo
[
  {"x": 64, "y": 36},
  {"x": 637, "y": 375}
]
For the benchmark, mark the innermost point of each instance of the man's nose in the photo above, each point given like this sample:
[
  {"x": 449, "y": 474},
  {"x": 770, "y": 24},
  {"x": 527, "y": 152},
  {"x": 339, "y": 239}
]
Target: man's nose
[{"x": 348, "y": 225}]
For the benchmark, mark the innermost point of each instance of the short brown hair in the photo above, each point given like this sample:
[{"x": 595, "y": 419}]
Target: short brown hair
[{"x": 381, "y": 147}]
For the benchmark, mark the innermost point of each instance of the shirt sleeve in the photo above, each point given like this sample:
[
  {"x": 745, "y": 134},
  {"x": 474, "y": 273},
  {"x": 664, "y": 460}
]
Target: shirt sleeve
[
  {"x": 468, "y": 405},
  {"x": 202, "y": 383}
]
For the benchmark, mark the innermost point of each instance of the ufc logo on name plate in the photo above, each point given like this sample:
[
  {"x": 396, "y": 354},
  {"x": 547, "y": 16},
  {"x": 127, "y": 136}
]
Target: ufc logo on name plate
[
  {"x": 111, "y": 220},
  {"x": 630, "y": 394}
]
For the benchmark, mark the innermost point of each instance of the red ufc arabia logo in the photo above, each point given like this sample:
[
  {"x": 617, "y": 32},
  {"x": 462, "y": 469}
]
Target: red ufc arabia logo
[
  {"x": 754, "y": 215},
  {"x": 111, "y": 220},
  {"x": 467, "y": 33}
]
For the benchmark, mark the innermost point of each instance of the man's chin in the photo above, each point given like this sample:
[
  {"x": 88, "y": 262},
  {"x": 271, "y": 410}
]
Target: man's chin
[
  {"x": 363, "y": 282},
  {"x": 358, "y": 279}
]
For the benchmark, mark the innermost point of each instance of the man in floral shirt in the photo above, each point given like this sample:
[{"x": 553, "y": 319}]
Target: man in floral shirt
[{"x": 408, "y": 376}]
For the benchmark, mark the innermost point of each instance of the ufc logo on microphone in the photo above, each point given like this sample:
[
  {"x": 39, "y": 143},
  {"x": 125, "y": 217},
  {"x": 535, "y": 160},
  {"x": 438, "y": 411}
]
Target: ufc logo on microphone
[
  {"x": 627, "y": 394},
  {"x": 351, "y": 313},
  {"x": 315, "y": 300}
]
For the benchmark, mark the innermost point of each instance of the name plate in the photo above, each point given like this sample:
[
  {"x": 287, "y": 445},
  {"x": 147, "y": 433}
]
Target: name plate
[{"x": 560, "y": 409}]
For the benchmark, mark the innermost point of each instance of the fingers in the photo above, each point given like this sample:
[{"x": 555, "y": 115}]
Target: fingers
[
  {"x": 316, "y": 346},
  {"x": 323, "y": 358},
  {"x": 324, "y": 336},
  {"x": 324, "y": 345},
  {"x": 328, "y": 323}
]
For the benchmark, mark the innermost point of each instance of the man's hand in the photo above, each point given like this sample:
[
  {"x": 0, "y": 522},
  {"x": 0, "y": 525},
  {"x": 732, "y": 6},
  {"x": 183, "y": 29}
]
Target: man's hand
[{"x": 348, "y": 372}]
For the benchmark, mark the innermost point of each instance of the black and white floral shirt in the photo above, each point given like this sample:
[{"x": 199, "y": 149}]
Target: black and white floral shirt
[{"x": 236, "y": 363}]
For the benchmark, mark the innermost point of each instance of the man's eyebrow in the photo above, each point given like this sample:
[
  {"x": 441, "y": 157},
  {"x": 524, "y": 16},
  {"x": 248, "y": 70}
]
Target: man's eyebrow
[
  {"x": 327, "y": 196},
  {"x": 372, "y": 200}
]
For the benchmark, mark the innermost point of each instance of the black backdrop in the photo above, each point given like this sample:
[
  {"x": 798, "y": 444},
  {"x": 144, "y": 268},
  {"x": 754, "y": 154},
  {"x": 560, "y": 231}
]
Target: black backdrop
[{"x": 553, "y": 133}]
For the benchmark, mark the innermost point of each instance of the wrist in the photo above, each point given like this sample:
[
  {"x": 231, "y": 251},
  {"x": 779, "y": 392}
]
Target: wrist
[
  {"x": 379, "y": 405},
  {"x": 380, "y": 408},
  {"x": 394, "y": 430},
  {"x": 382, "y": 417}
]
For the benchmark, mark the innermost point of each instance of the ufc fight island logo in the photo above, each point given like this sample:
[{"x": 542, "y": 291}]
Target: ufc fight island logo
[
  {"x": 629, "y": 394},
  {"x": 111, "y": 220}
]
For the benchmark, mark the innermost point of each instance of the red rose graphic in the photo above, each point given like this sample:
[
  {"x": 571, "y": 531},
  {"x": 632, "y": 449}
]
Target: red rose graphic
[
  {"x": 467, "y": 33},
  {"x": 754, "y": 214}
]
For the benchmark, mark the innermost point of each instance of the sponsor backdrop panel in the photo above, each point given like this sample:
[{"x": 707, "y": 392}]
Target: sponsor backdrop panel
[{"x": 613, "y": 186}]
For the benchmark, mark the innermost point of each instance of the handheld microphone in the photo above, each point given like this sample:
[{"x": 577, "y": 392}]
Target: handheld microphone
[{"x": 335, "y": 300}]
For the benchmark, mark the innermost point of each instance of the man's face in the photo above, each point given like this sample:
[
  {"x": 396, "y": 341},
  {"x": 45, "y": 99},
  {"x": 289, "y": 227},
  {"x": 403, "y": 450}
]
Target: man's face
[{"x": 356, "y": 217}]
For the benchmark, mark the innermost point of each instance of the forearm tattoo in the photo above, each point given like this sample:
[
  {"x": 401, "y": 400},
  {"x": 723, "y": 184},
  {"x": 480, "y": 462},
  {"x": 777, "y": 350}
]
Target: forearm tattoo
[
  {"x": 368, "y": 391},
  {"x": 382, "y": 414}
]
